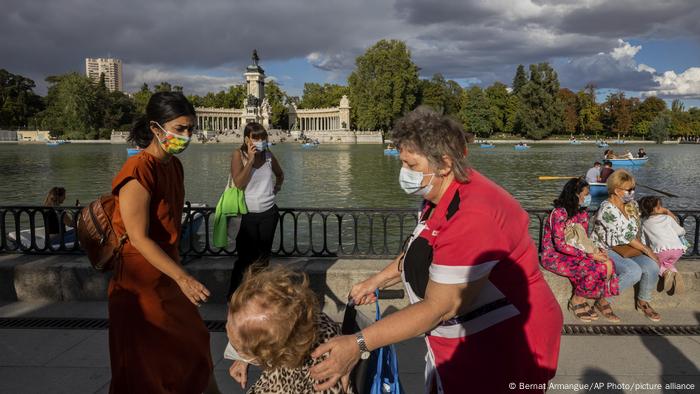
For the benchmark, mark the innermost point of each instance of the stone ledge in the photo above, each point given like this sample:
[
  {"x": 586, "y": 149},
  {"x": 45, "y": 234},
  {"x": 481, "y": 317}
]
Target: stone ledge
[{"x": 70, "y": 278}]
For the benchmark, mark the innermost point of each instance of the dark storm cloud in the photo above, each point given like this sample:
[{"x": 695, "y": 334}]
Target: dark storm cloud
[{"x": 204, "y": 45}]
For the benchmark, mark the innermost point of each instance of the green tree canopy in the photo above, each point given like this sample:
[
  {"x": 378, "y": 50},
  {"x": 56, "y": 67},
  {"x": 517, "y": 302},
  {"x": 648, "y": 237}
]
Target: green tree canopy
[
  {"x": 383, "y": 85},
  {"x": 18, "y": 102},
  {"x": 322, "y": 96},
  {"x": 475, "y": 113},
  {"x": 541, "y": 112}
]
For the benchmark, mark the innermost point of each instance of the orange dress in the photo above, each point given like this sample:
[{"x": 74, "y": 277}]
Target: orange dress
[{"x": 158, "y": 342}]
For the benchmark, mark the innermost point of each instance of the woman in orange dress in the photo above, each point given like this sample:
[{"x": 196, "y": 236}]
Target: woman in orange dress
[{"x": 158, "y": 342}]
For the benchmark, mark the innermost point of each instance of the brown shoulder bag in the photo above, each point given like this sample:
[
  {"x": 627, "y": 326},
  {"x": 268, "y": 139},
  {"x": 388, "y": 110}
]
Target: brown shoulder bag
[
  {"x": 97, "y": 236},
  {"x": 626, "y": 250}
]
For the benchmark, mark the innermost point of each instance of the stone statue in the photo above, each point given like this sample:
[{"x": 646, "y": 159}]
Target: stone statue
[{"x": 255, "y": 58}]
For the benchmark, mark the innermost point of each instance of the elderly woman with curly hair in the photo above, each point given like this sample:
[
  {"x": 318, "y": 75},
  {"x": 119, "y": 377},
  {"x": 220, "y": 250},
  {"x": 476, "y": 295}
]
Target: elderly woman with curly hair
[
  {"x": 471, "y": 273},
  {"x": 274, "y": 322}
]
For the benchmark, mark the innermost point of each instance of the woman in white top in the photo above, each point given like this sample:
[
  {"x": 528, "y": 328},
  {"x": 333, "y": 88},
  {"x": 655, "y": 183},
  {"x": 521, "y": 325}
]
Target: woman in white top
[
  {"x": 617, "y": 228},
  {"x": 253, "y": 168},
  {"x": 661, "y": 231}
]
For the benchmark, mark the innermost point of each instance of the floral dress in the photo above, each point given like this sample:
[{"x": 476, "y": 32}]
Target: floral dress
[{"x": 587, "y": 275}]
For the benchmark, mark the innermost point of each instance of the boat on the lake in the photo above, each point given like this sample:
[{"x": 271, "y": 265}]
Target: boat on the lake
[
  {"x": 132, "y": 151},
  {"x": 602, "y": 144},
  {"x": 522, "y": 147},
  {"x": 598, "y": 189},
  {"x": 629, "y": 162},
  {"x": 487, "y": 145}
]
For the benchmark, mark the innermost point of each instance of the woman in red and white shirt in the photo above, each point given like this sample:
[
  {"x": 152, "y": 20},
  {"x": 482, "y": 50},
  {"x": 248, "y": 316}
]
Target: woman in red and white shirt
[{"x": 471, "y": 272}]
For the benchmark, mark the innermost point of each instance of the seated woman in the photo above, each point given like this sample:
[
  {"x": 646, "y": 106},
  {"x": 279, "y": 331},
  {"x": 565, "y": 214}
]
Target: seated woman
[
  {"x": 617, "y": 228},
  {"x": 274, "y": 322},
  {"x": 55, "y": 197},
  {"x": 590, "y": 272}
]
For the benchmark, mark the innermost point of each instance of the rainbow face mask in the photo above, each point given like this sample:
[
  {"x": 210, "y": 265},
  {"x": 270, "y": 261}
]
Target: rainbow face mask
[{"x": 173, "y": 143}]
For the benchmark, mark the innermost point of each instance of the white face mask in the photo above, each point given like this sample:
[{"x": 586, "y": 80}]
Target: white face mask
[
  {"x": 411, "y": 182},
  {"x": 260, "y": 145},
  {"x": 230, "y": 353},
  {"x": 628, "y": 196}
]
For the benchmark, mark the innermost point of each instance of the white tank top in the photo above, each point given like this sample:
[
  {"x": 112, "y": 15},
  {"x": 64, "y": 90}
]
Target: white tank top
[{"x": 259, "y": 193}]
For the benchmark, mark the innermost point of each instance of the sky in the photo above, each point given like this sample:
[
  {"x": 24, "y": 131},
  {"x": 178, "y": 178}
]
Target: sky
[{"x": 643, "y": 47}]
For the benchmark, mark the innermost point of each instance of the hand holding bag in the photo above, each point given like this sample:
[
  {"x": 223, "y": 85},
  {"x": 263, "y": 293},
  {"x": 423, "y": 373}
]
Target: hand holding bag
[{"x": 380, "y": 372}]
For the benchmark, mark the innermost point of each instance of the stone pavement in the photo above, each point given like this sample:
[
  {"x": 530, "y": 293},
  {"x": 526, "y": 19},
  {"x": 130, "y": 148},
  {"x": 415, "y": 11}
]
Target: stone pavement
[{"x": 77, "y": 361}]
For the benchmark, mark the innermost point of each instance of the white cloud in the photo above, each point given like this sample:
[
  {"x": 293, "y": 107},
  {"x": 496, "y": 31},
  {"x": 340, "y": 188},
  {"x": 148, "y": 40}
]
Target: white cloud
[
  {"x": 199, "y": 82},
  {"x": 685, "y": 84}
]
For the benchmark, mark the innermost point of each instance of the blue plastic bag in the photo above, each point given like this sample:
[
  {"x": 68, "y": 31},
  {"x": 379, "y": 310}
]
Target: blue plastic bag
[{"x": 386, "y": 375}]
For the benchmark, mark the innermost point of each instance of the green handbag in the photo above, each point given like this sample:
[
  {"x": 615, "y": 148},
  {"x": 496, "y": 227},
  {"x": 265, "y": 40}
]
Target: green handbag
[{"x": 231, "y": 204}]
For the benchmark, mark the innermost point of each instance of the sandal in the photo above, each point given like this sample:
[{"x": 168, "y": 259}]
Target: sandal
[
  {"x": 648, "y": 311},
  {"x": 581, "y": 311},
  {"x": 607, "y": 311}
]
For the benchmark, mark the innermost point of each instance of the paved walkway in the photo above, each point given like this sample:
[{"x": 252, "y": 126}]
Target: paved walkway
[{"x": 77, "y": 361}]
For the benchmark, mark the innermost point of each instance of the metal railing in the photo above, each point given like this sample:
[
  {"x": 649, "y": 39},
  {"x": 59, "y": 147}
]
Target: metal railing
[{"x": 311, "y": 232}]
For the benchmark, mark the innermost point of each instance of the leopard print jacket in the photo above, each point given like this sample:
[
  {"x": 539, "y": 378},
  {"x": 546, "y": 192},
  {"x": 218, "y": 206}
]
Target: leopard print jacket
[{"x": 297, "y": 380}]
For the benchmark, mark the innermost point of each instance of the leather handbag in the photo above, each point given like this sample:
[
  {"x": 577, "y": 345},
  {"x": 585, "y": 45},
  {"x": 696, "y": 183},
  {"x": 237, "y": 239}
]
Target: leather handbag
[
  {"x": 97, "y": 236},
  {"x": 626, "y": 250}
]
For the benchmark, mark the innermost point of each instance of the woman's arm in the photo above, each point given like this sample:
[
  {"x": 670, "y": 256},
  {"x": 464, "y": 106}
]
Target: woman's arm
[
  {"x": 442, "y": 302},
  {"x": 637, "y": 244},
  {"x": 134, "y": 201},
  {"x": 363, "y": 293},
  {"x": 242, "y": 173},
  {"x": 279, "y": 174}
]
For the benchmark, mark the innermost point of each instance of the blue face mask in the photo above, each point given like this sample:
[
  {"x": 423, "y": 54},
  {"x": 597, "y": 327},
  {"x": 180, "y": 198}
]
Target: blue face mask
[
  {"x": 260, "y": 145},
  {"x": 411, "y": 182},
  {"x": 586, "y": 201}
]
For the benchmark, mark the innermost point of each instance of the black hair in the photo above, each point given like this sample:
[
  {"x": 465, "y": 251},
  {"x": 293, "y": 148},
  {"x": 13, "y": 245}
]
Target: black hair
[
  {"x": 607, "y": 163},
  {"x": 253, "y": 130},
  {"x": 597, "y": 163},
  {"x": 647, "y": 205},
  {"x": 162, "y": 108},
  {"x": 568, "y": 199}
]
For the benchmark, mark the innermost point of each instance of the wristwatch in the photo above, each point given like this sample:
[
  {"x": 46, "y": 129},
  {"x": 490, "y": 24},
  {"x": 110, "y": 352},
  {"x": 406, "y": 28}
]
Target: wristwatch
[{"x": 364, "y": 352}]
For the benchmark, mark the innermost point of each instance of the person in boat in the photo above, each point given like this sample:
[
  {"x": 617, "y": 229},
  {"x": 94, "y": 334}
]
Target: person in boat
[
  {"x": 641, "y": 153},
  {"x": 567, "y": 251},
  {"x": 609, "y": 154},
  {"x": 606, "y": 171},
  {"x": 59, "y": 217},
  {"x": 627, "y": 155},
  {"x": 593, "y": 173},
  {"x": 391, "y": 147}
]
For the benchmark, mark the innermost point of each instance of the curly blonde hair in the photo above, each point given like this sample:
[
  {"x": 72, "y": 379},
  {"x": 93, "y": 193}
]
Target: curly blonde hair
[{"x": 285, "y": 329}]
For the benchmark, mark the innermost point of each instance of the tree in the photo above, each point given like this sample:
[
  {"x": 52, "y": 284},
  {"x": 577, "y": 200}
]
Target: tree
[
  {"x": 519, "y": 80},
  {"x": 659, "y": 128},
  {"x": 588, "y": 111},
  {"x": 569, "y": 102},
  {"x": 141, "y": 99},
  {"x": 475, "y": 112},
  {"x": 73, "y": 109},
  {"x": 497, "y": 102},
  {"x": 617, "y": 113},
  {"x": 541, "y": 111},
  {"x": 383, "y": 85},
  {"x": 18, "y": 102},
  {"x": 322, "y": 96},
  {"x": 279, "y": 118},
  {"x": 163, "y": 87}
]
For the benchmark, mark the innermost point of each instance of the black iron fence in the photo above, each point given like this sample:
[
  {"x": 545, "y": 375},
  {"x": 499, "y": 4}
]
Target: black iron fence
[{"x": 333, "y": 232}]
